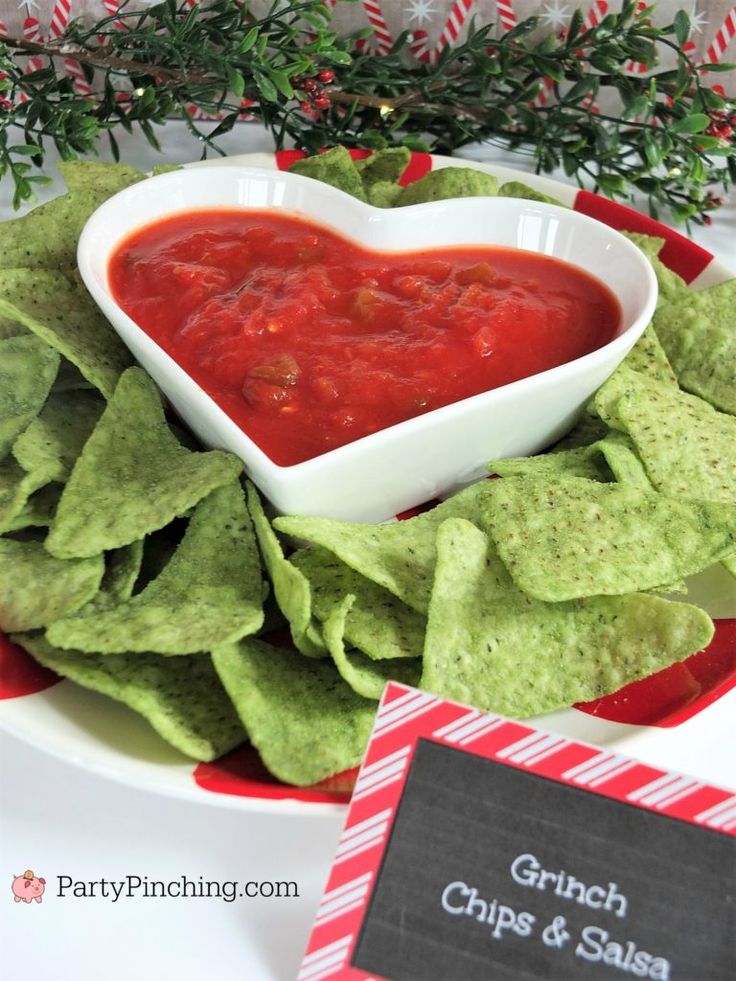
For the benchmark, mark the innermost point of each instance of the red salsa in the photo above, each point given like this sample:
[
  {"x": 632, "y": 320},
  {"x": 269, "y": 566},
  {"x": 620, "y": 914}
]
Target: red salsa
[{"x": 309, "y": 341}]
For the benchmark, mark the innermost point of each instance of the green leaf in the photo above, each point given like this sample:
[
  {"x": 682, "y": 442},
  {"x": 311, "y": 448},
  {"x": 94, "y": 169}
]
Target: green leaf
[
  {"x": 681, "y": 212},
  {"x": 114, "y": 148},
  {"x": 248, "y": 41},
  {"x": 313, "y": 19},
  {"x": 236, "y": 83},
  {"x": 148, "y": 97},
  {"x": 225, "y": 125},
  {"x": 578, "y": 91},
  {"x": 637, "y": 107},
  {"x": 698, "y": 172},
  {"x": 683, "y": 79},
  {"x": 718, "y": 66},
  {"x": 337, "y": 57},
  {"x": 708, "y": 143},
  {"x": 522, "y": 29},
  {"x": 266, "y": 88},
  {"x": 281, "y": 81},
  {"x": 26, "y": 150},
  {"x": 681, "y": 25},
  {"x": 611, "y": 184},
  {"x": 652, "y": 153},
  {"x": 574, "y": 27},
  {"x": 695, "y": 123}
]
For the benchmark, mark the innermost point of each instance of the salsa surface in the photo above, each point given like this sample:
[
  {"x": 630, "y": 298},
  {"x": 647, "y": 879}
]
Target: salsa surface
[{"x": 308, "y": 341}]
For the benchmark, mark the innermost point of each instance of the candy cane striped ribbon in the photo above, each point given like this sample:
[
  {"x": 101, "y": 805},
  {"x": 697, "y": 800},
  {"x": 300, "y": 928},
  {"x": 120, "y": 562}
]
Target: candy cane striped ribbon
[
  {"x": 723, "y": 37},
  {"x": 32, "y": 32},
  {"x": 383, "y": 38},
  {"x": 450, "y": 33},
  {"x": 112, "y": 7},
  {"x": 506, "y": 14},
  {"x": 60, "y": 17}
]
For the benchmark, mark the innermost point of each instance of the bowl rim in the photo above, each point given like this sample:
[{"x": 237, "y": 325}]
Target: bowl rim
[{"x": 108, "y": 211}]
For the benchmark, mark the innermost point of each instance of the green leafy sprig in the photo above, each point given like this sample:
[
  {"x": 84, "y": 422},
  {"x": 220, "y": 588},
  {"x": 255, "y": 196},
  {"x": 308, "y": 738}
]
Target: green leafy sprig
[{"x": 673, "y": 142}]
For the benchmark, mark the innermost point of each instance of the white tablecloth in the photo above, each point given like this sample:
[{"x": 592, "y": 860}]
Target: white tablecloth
[{"x": 62, "y": 821}]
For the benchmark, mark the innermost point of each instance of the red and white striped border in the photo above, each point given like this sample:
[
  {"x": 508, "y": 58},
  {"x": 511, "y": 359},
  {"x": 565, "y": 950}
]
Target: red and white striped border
[
  {"x": 450, "y": 32},
  {"x": 404, "y": 716},
  {"x": 723, "y": 38}
]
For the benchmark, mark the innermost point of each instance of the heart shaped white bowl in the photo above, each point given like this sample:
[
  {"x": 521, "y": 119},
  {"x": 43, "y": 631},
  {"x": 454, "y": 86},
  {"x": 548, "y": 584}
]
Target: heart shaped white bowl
[{"x": 389, "y": 471}]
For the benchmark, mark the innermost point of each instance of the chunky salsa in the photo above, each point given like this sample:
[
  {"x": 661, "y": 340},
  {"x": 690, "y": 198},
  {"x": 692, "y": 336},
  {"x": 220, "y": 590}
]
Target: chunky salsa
[{"x": 309, "y": 341}]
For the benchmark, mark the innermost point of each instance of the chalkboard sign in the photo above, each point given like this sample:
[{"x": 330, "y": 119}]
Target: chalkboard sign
[
  {"x": 494, "y": 873},
  {"x": 477, "y": 847}
]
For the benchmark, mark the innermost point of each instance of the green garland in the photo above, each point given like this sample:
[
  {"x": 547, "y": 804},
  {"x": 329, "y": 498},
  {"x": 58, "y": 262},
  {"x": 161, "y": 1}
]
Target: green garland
[{"x": 672, "y": 143}]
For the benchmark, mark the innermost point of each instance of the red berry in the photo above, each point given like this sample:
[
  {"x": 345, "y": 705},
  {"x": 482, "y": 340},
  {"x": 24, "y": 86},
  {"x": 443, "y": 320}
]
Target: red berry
[
  {"x": 326, "y": 76},
  {"x": 707, "y": 220},
  {"x": 5, "y": 105},
  {"x": 721, "y": 131},
  {"x": 309, "y": 85},
  {"x": 321, "y": 102},
  {"x": 305, "y": 106}
]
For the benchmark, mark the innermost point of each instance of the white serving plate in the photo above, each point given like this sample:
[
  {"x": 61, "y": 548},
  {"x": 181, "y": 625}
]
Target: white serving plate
[{"x": 693, "y": 734}]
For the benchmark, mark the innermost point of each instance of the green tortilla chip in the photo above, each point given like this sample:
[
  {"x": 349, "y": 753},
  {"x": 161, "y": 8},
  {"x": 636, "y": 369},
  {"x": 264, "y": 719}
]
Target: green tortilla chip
[
  {"x": 384, "y": 166},
  {"x": 365, "y": 676},
  {"x": 122, "y": 568},
  {"x": 517, "y": 189},
  {"x": 183, "y": 700},
  {"x": 400, "y": 555},
  {"x": 64, "y": 316},
  {"x": 624, "y": 462},
  {"x": 688, "y": 448},
  {"x": 606, "y": 399},
  {"x": 491, "y": 646},
  {"x": 46, "y": 237},
  {"x": 583, "y": 461},
  {"x": 574, "y": 537},
  {"x": 133, "y": 475},
  {"x": 165, "y": 169},
  {"x": 16, "y": 488},
  {"x": 100, "y": 179},
  {"x": 650, "y": 245},
  {"x": 55, "y": 438},
  {"x": 38, "y": 511},
  {"x": 449, "y": 182},
  {"x": 671, "y": 286},
  {"x": 586, "y": 430},
  {"x": 291, "y": 589},
  {"x": 377, "y": 623},
  {"x": 36, "y": 589},
  {"x": 303, "y": 719},
  {"x": 699, "y": 335},
  {"x": 383, "y": 194},
  {"x": 10, "y": 327},
  {"x": 648, "y": 357},
  {"x": 335, "y": 168},
  {"x": 27, "y": 370},
  {"x": 209, "y": 593}
]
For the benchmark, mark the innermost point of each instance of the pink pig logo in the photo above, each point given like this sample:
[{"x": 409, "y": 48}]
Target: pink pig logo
[{"x": 27, "y": 887}]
